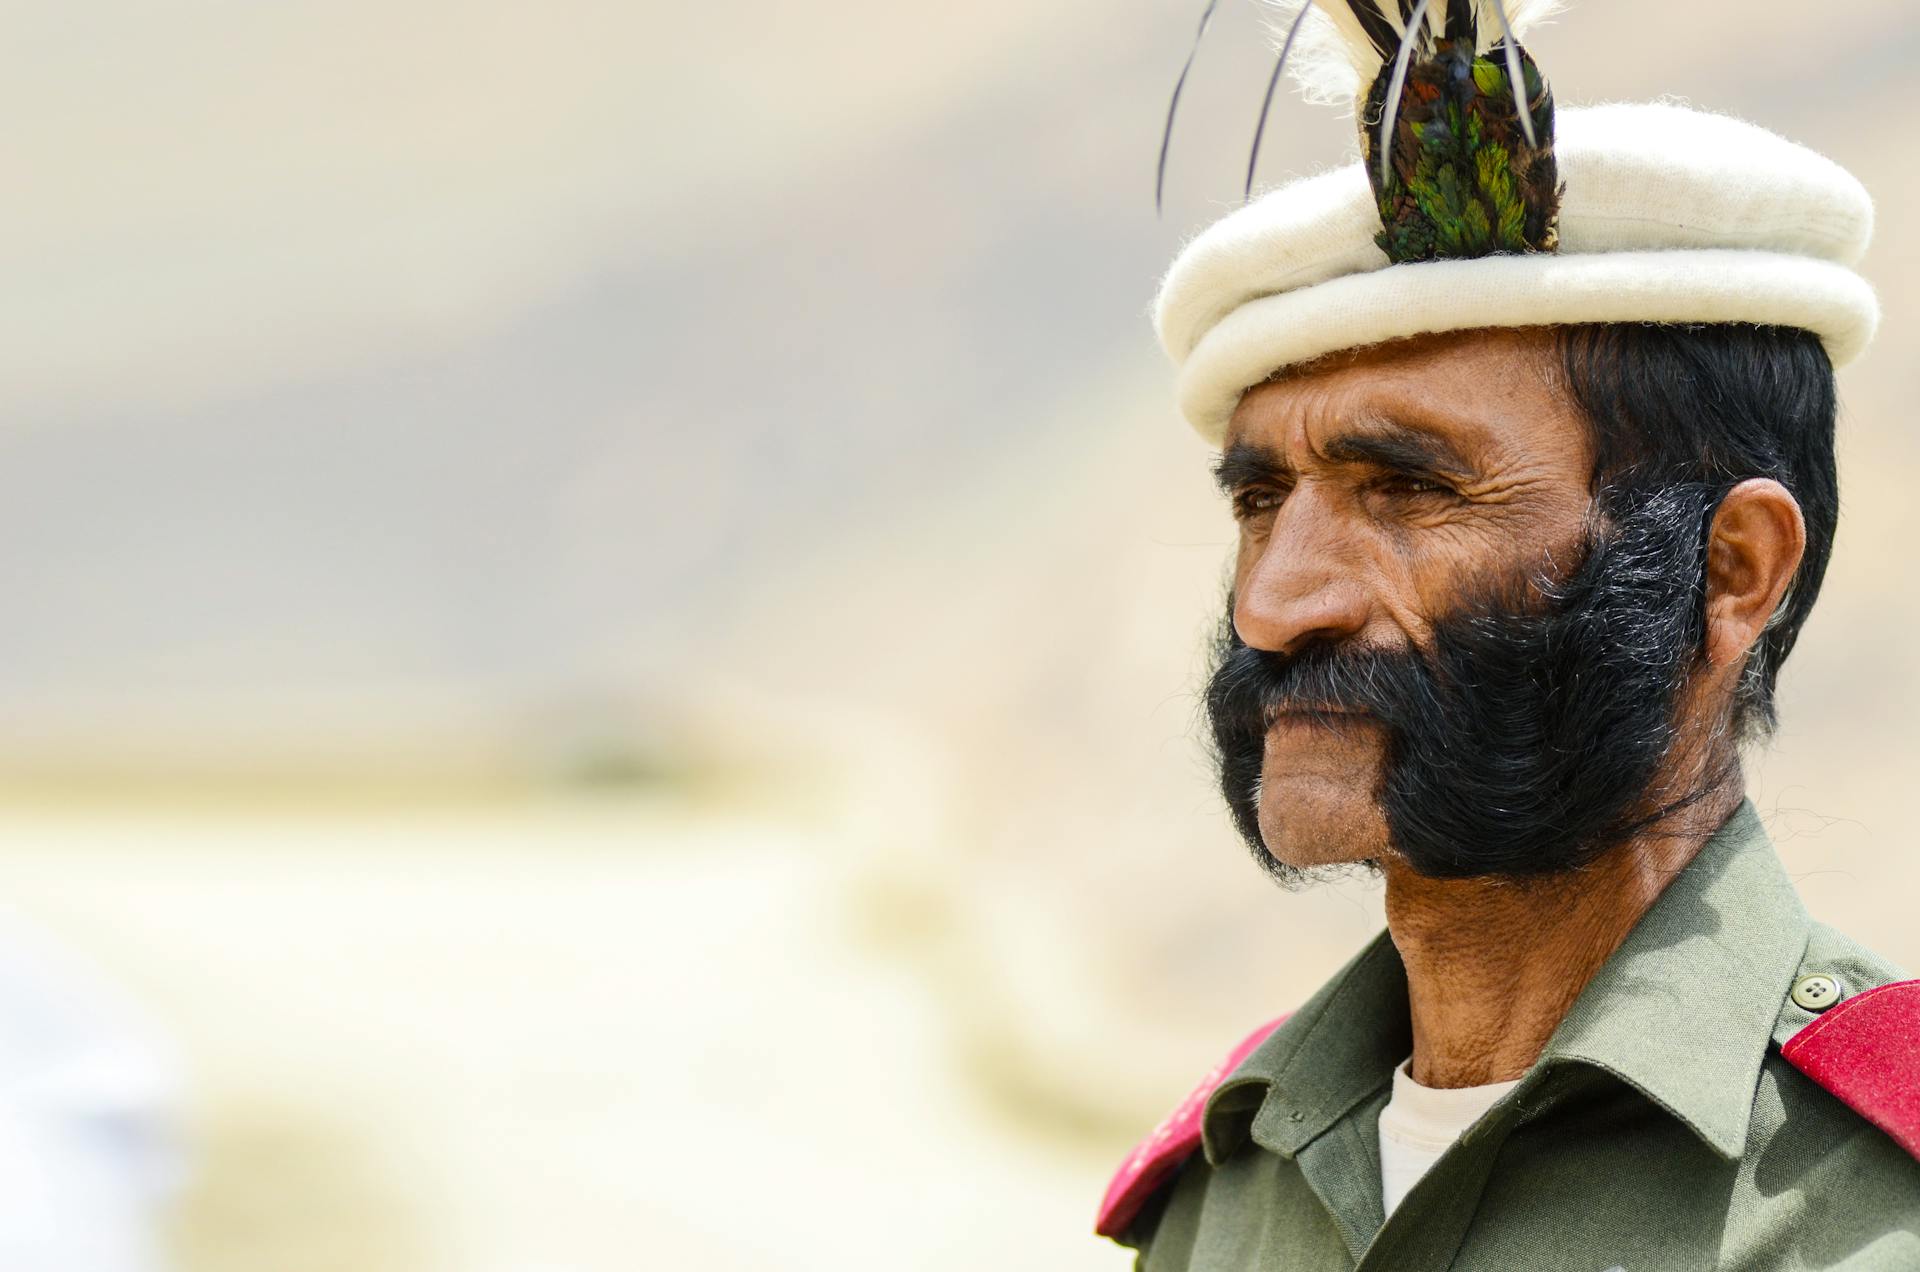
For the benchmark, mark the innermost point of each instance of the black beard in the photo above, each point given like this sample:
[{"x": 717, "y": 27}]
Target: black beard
[{"x": 1525, "y": 740}]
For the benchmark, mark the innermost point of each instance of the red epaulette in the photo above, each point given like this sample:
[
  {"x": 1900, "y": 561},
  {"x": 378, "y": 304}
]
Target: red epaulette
[
  {"x": 1172, "y": 1142},
  {"x": 1866, "y": 1051}
]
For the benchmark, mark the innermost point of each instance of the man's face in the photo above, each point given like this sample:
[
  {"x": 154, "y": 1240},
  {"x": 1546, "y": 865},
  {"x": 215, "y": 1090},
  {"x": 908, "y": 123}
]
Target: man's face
[{"x": 1372, "y": 494}]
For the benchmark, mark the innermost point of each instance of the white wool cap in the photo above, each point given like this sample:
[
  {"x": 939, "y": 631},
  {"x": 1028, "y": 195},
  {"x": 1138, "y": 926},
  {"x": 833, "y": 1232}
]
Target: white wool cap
[{"x": 1670, "y": 215}]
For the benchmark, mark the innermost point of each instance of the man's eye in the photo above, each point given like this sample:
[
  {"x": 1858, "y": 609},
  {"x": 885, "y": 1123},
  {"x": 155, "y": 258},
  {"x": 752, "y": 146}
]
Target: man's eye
[
  {"x": 1253, "y": 503},
  {"x": 1414, "y": 486}
]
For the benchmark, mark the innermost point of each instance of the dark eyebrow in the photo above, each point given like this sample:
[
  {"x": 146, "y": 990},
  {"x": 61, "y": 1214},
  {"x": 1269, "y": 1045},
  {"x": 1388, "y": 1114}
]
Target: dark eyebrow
[
  {"x": 1398, "y": 449},
  {"x": 1394, "y": 447},
  {"x": 1249, "y": 464}
]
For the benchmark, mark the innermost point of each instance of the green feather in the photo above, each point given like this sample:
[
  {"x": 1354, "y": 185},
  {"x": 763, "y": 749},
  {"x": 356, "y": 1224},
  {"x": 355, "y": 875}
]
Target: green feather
[{"x": 1460, "y": 179}]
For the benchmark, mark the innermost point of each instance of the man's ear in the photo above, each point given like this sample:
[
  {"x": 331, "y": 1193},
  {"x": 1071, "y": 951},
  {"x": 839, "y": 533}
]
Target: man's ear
[{"x": 1753, "y": 550}]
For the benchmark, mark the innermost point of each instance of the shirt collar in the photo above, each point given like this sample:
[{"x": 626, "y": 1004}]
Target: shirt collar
[
  {"x": 1683, "y": 1011},
  {"x": 1685, "y": 1008},
  {"x": 1332, "y": 1053}
]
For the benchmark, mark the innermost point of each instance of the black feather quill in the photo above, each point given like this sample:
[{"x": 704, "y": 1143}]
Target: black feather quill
[
  {"x": 1266, "y": 105},
  {"x": 1166, "y": 137},
  {"x": 1461, "y": 24},
  {"x": 1374, "y": 23}
]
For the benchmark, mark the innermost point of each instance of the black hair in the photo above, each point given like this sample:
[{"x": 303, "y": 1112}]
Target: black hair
[{"x": 1715, "y": 405}]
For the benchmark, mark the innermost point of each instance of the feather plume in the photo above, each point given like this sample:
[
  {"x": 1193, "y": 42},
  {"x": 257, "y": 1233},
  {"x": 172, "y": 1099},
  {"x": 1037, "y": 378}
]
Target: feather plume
[
  {"x": 1343, "y": 45},
  {"x": 1459, "y": 144}
]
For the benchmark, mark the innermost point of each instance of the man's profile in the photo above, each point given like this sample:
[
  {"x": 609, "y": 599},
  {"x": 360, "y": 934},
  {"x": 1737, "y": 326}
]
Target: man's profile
[{"x": 1526, "y": 422}]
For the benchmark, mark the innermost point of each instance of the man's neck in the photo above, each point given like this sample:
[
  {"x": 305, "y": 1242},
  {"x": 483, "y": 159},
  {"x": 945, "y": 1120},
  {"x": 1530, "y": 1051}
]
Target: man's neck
[{"x": 1494, "y": 965}]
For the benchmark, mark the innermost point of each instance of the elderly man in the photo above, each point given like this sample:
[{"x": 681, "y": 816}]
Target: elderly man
[{"x": 1528, "y": 430}]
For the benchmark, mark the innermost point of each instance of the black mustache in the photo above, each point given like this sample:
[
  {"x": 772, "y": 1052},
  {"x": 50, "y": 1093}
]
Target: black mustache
[{"x": 1252, "y": 687}]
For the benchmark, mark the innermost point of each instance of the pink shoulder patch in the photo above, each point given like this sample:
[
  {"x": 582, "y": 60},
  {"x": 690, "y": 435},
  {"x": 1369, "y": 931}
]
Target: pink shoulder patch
[
  {"x": 1866, "y": 1051},
  {"x": 1172, "y": 1142}
]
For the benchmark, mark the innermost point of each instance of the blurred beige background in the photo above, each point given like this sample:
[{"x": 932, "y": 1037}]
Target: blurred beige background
[{"x": 605, "y": 601}]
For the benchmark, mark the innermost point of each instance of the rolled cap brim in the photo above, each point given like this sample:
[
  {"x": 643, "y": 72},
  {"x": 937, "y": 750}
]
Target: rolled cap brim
[{"x": 1670, "y": 215}]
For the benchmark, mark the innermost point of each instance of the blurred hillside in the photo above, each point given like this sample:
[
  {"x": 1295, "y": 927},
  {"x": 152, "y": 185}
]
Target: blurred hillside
[{"x": 747, "y": 413}]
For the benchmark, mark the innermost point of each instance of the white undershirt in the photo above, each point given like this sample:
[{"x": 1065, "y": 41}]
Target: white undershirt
[{"x": 1420, "y": 1123}]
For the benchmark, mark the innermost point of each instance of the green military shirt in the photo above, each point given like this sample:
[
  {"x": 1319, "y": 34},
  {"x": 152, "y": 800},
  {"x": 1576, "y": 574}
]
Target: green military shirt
[{"x": 1660, "y": 1129}]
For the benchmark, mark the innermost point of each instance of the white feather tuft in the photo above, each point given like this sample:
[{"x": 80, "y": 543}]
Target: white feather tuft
[
  {"x": 1334, "y": 62},
  {"x": 1331, "y": 53}
]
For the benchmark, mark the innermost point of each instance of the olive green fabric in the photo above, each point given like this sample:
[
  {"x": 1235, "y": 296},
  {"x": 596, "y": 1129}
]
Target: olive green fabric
[{"x": 1659, "y": 1130}]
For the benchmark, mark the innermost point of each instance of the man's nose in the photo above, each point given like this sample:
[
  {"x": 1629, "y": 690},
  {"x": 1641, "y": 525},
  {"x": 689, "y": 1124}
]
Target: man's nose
[{"x": 1302, "y": 587}]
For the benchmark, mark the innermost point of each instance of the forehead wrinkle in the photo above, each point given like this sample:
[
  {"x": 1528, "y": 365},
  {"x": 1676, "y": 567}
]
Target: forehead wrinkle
[{"x": 1313, "y": 416}]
